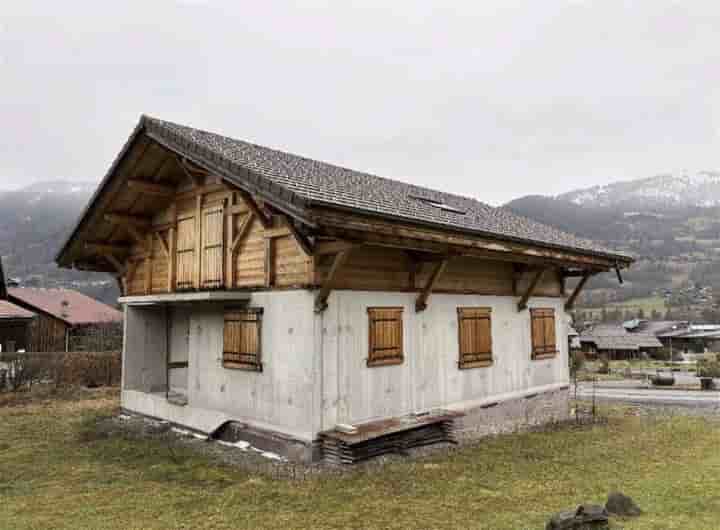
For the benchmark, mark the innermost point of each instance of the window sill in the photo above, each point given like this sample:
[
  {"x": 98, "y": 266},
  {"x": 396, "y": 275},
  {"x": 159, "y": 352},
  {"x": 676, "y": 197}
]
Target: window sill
[
  {"x": 474, "y": 364},
  {"x": 243, "y": 366},
  {"x": 545, "y": 356},
  {"x": 385, "y": 362}
]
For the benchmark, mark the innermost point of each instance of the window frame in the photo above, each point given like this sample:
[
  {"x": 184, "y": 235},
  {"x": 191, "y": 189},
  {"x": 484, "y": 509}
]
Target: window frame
[
  {"x": 250, "y": 366},
  {"x": 474, "y": 313},
  {"x": 372, "y": 359},
  {"x": 539, "y": 353}
]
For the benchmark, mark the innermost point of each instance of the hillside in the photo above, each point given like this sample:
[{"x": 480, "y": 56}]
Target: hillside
[
  {"x": 34, "y": 222},
  {"x": 671, "y": 224}
]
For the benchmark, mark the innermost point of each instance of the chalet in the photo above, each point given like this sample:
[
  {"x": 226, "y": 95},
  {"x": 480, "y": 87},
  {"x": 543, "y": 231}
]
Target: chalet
[
  {"x": 317, "y": 308},
  {"x": 65, "y": 318}
]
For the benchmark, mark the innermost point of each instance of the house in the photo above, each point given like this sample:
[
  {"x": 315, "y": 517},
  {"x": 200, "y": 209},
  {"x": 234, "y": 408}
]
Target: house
[
  {"x": 15, "y": 322},
  {"x": 67, "y": 320},
  {"x": 617, "y": 342},
  {"x": 317, "y": 308}
]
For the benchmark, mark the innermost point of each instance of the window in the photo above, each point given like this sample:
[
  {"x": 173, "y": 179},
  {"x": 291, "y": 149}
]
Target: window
[
  {"x": 543, "y": 333},
  {"x": 475, "y": 337},
  {"x": 438, "y": 204},
  {"x": 385, "y": 336},
  {"x": 242, "y": 346}
]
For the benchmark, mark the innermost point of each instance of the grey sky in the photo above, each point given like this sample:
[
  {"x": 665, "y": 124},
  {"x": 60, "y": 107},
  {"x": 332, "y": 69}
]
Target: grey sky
[{"x": 493, "y": 100}]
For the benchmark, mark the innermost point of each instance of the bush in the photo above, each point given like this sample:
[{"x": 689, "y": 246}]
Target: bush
[
  {"x": 604, "y": 364},
  {"x": 577, "y": 361},
  {"x": 707, "y": 368},
  {"x": 61, "y": 369}
]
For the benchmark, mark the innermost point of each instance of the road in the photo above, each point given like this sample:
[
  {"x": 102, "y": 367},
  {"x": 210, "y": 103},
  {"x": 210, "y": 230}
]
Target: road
[{"x": 633, "y": 392}]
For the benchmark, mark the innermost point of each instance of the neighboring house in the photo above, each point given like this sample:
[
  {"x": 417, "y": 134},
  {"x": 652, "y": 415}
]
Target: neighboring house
[
  {"x": 15, "y": 325},
  {"x": 66, "y": 319},
  {"x": 291, "y": 296},
  {"x": 616, "y": 342},
  {"x": 15, "y": 322}
]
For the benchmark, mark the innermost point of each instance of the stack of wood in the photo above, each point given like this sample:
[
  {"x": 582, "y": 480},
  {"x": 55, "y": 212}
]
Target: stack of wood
[{"x": 388, "y": 436}]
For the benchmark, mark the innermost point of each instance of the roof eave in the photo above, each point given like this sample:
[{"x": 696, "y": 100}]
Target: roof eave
[{"x": 621, "y": 260}]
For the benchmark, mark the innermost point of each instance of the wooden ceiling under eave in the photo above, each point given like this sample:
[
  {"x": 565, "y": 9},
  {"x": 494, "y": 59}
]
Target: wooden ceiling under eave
[{"x": 137, "y": 188}]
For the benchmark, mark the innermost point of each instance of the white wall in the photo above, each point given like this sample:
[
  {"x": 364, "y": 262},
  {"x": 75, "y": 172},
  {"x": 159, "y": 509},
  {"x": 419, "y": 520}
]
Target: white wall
[
  {"x": 315, "y": 372},
  {"x": 429, "y": 377},
  {"x": 280, "y": 398}
]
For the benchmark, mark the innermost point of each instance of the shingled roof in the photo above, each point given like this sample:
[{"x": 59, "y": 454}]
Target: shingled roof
[
  {"x": 315, "y": 182},
  {"x": 68, "y": 305},
  {"x": 301, "y": 183}
]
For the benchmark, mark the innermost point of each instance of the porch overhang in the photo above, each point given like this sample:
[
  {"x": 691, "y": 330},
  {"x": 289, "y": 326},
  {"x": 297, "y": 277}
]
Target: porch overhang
[{"x": 184, "y": 298}]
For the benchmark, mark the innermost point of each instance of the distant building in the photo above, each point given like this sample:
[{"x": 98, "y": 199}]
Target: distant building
[
  {"x": 617, "y": 342},
  {"x": 62, "y": 314}
]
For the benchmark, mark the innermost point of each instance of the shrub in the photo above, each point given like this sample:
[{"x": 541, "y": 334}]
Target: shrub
[
  {"x": 577, "y": 361},
  {"x": 706, "y": 368},
  {"x": 604, "y": 364}
]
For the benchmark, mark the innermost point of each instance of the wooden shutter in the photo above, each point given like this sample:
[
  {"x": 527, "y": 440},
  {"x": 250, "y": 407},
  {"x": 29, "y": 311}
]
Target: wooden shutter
[
  {"x": 475, "y": 337},
  {"x": 212, "y": 248},
  {"x": 242, "y": 345},
  {"x": 185, "y": 253},
  {"x": 543, "y": 333},
  {"x": 385, "y": 336}
]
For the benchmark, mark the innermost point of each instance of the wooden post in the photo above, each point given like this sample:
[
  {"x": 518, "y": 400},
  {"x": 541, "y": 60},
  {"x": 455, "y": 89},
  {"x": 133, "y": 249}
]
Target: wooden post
[
  {"x": 198, "y": 241},
  {"x": 229, "y": 234},
  {"x": 172, "y": 259},
  {"x": 148, "y": 264},
  {"x": 269, "y": 262},
  {"x": 421, "y": 302},
  {"x": 522, "y": 304}
]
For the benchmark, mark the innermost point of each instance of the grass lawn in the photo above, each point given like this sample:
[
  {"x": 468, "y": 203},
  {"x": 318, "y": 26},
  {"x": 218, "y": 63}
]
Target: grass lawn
[
  {"x": 647, "y": 304},
  {"x": 53, "y": 477}
]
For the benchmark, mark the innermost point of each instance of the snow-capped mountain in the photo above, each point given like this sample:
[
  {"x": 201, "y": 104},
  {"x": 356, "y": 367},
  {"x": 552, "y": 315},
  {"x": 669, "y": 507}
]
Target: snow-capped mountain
[{"x": 701, "y": 189}]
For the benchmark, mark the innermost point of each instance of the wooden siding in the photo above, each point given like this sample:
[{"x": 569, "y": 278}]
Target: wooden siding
[
  {"x": 47, "y": 334},
  {"x": 172, "y": 258},
  {"x": 390, "y": 269}
]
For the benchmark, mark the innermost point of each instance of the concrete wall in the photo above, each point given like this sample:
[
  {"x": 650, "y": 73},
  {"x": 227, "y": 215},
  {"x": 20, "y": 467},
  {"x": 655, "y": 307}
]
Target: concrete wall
[
  {"x": 315, "y": 372},
  {"x": 429, "y": 376},
  {"x": 281, "y": 398}
]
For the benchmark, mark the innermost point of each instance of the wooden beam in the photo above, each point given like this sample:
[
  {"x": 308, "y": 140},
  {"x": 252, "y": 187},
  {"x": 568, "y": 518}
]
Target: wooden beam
[
  {"x": 242, "y": 231},
  {"x": 143, "y": 223},
  {"x": 576, "y": 292},
  {"x": 421, "y": 302},
  {"x": 151, "y": 188},
  {"x": 522, "y": 304},
  {"x": 332, "y": 247},
  {"x": 269, "y": 262},
  {"x": 198, "y": 241},
  {"x": 119, "y": 267},
  {"x": 324, "y": 293},
  {"x": 172, "y": 259},
  {"x": 163, "y": 244},
  {"x": 254, "y": 208},
  {"x": 107, "y": 248},
  {"x": 148, "y": 265},
  {"x": 302, "y": 240}
]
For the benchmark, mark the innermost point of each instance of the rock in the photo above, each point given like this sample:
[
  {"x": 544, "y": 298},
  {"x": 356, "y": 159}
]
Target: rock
[
  {"x": 622, "y": 505},
  {"x": 584, "y": 517}
]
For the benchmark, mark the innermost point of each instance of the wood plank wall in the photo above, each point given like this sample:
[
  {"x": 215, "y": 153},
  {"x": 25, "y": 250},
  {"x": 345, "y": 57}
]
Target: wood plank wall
[{"x": 172, "y": 257}]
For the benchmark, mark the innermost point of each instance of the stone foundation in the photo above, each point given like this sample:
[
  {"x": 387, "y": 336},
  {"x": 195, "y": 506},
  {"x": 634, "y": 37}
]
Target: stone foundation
[{"x": 514, "y": 414}]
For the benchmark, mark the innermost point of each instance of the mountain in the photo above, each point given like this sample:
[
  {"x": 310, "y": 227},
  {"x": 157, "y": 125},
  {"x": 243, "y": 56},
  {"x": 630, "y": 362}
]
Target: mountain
[
  {"x": 34, "y": 222},
  {"x": 670, "y": 223}
]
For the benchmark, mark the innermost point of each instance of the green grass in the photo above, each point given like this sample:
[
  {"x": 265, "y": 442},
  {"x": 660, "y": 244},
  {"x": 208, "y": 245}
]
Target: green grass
[{"x": 53, "y": 477}]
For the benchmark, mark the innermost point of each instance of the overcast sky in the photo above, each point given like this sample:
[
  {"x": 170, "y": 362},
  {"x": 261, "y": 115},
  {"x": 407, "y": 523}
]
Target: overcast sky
[{"x": 489, "y": 99}]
